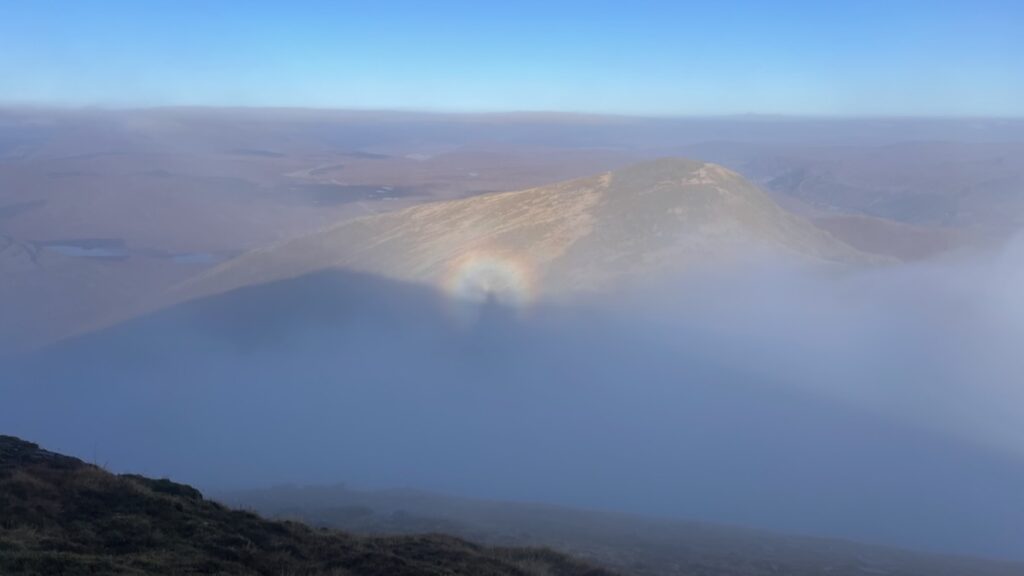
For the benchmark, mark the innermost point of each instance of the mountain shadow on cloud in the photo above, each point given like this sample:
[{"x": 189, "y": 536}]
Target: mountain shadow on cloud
[{"x": 338, "y": 376}]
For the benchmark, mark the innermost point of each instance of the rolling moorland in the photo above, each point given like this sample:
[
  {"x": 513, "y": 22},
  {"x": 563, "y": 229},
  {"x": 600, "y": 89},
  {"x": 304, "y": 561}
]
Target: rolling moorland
[{"x": 101, "y": 211}]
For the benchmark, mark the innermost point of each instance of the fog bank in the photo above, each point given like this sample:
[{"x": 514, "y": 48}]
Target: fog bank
[{"x": 882, "y": 405}]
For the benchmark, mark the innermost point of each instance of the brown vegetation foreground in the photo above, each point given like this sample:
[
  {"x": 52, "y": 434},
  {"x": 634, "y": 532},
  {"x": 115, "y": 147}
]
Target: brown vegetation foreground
[{"x": 59, "y": 515}]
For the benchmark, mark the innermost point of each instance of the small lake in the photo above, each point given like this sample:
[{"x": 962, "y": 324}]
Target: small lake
[
  {"x": 95, "y": 248},
  {"x": 117, "y": 249}
]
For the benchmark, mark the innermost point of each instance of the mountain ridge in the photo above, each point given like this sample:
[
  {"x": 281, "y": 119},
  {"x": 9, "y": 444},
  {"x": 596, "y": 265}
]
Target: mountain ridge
[{"x": 581, "y": 235}]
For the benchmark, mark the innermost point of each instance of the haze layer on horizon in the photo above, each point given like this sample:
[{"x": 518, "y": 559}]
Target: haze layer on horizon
[{"x": 648, "y": 58}]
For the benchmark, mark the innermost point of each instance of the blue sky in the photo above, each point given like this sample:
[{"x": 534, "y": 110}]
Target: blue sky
[{"x": 869, "y": 57}]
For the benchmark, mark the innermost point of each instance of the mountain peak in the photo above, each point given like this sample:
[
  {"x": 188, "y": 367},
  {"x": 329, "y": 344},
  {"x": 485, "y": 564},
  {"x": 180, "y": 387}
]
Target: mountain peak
[{"x": 671, "y": 167}]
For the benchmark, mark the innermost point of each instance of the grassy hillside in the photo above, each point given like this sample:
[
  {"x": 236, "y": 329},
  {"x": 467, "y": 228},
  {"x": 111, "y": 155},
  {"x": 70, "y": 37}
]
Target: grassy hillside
[{"x": 59, "y": 515}]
